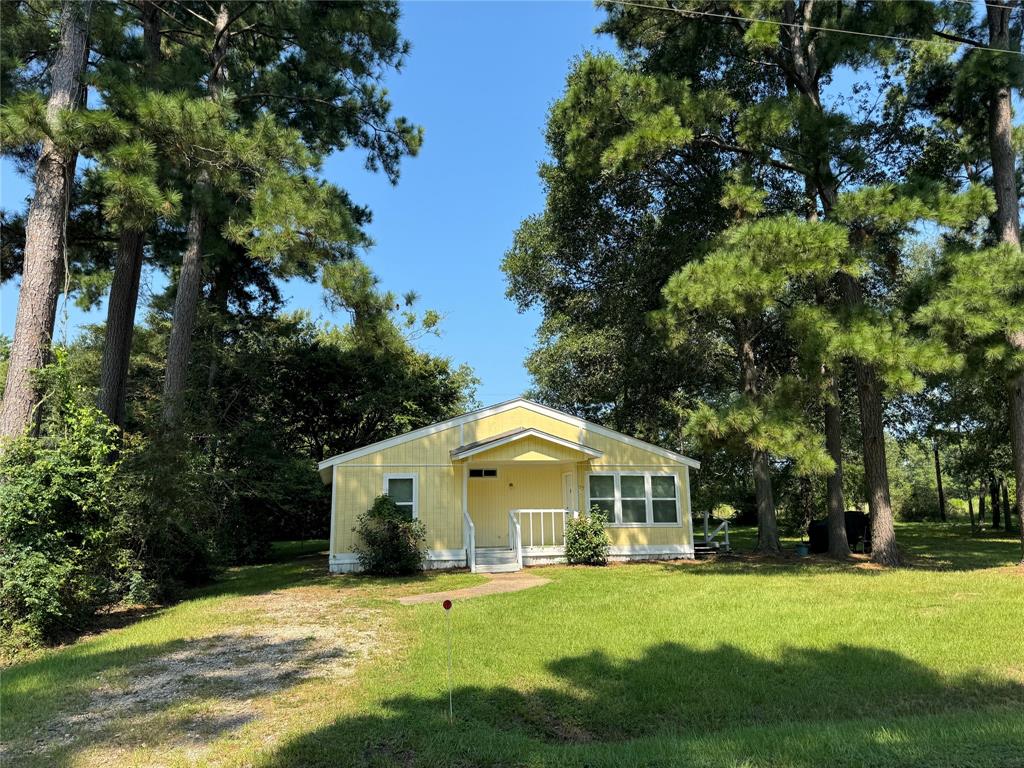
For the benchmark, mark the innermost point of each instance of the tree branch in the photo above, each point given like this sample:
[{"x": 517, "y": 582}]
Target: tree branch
[{"x": 713, "y": 141}]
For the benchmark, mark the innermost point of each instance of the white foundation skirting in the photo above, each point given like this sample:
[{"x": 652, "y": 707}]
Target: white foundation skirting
[
  {"x": 436, "y": 559},
  {"x": 443, "y": 559}
]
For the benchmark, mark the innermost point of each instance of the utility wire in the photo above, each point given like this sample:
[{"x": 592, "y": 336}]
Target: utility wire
[
  {"x": 981, "y": 4},
  {"x": 699, "y": 14}
]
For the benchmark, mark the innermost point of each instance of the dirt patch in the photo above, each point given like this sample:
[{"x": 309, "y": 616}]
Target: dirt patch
[
  {"x": 868, "y": 565},
  {"x": 199, "y": 689}
]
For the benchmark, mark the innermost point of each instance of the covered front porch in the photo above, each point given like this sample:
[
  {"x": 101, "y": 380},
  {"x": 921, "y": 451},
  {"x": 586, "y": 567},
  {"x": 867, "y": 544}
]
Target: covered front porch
[{"x": 519, "y": 489}]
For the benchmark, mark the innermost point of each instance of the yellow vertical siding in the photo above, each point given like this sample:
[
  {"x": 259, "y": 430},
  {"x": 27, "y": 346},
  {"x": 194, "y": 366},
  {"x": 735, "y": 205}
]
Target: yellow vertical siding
[
  {"x": 528, "y": 449},
  {"x": 429, "y": 449},
  {"x": 439, "y": 502},
  {"x": 519, "y": 418}
]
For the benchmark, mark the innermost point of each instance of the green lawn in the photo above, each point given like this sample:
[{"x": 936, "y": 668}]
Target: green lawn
[{"x": 797, "y": 662}]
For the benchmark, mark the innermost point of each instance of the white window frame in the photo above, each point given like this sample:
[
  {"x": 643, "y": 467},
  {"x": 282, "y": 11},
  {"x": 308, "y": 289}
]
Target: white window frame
[
  {"x": 647, "y": 475},
  {"x": 388, "y": 476}
]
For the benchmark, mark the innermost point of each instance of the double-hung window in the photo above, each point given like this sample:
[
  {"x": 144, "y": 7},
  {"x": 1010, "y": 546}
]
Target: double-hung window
[
  {"x": 602, "y": 495},
  {"x": 632, "y": 498},
  {"x": 635, "y": 498},
  {"x": 401, "y": 489}
]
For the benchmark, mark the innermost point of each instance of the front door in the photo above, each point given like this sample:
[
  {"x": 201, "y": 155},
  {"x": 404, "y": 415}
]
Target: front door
[
  {"x": 569, "y": 491},
  {"x": 489, "y": 503}
]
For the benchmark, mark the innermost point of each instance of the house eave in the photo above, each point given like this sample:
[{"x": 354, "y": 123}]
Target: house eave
[
  {"x": 465, "y": 451},
  {"x": 500, "y": 408}
]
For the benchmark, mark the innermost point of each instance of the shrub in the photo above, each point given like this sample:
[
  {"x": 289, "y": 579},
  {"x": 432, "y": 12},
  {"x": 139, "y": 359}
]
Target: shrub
[
  {"x": 920, "y": 503},
  {"x": 723, "y": 511},
  {"x": 63, "y": 551},
  {"x": 586, "y": 540},
  {"x": 392, "y": 544},
  {"x": 90, "y": 518}
]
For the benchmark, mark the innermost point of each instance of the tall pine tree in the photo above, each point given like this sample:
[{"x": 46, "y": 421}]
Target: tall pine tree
[{"x": 43, "y": 270}]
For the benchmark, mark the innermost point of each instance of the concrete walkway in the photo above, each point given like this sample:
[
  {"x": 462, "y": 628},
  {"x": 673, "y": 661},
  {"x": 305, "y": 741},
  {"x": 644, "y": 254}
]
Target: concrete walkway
[{"x": 497, "y": 583}]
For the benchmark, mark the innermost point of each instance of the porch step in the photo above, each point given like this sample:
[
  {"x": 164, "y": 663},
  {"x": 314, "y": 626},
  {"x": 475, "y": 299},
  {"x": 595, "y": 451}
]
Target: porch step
[
  {"x": 495, "y": 555},
  {"x": 497, "y": 567},
  {"x": 703, "y": 551},
  {"x": 496, "y": 560}
]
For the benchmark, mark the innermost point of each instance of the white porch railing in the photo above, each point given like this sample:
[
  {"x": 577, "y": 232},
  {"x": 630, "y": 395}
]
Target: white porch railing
[
  {"x": 542, "y": 527},
  {"x": 723, "y": 526},
  {"x": 515, "y": 537},
  {"x": 469, "y": 539}
]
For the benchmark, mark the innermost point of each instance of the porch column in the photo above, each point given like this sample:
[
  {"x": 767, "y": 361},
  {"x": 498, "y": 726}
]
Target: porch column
[
  {"x": 465, "y": 495},
  {"x": 466, "y": 532}
]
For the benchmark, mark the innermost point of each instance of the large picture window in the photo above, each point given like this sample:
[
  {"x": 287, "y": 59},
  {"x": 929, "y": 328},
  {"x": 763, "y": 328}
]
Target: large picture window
[
  {"x": 635, "y": 498},
  {"x": 401, "y": 489}
]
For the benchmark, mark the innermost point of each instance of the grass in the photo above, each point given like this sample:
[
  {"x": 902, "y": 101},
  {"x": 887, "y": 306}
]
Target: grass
[
  {"x": 289, "y": 550},
  {"x": 746, "y": 662}
]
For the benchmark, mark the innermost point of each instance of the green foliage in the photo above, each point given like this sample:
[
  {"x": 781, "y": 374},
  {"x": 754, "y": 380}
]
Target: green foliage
[
  {"x": 64, "y": 551},
  {"x": 164, "y": 513},
  {"x": 586, "y": 540},
  {"x": 755, "y": 264},
  {"x": 390, "y": 544},
  {"x": 777, "y": 424},
  {"x": 912, "y": 480},
  {"x": 919, "y": 504},
  {"x": 740, "y": 290},
  {"x": 979, "y": 303},
  {"x": 805, "y": 204}
]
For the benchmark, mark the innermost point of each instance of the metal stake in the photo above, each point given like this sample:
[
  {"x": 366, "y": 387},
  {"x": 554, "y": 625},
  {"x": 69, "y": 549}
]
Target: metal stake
[{"x": 447, "y": 604}]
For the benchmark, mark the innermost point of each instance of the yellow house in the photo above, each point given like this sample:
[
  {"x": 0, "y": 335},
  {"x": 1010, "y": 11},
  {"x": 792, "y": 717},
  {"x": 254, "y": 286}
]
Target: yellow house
[{"x": 494, "y": 488}]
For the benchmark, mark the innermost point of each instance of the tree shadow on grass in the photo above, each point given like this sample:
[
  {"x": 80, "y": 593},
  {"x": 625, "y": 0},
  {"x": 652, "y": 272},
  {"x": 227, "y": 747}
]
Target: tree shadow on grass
[
  {"x": 955, "y": 548},
  {"x": 670, "y": 700},
  {"x": 923, "y": 546}
]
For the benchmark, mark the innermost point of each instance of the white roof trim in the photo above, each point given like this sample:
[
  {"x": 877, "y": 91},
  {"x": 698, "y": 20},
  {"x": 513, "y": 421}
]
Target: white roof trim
[
  {"x": 492, "y": 410},
  {"x": 487, "y": 445}
]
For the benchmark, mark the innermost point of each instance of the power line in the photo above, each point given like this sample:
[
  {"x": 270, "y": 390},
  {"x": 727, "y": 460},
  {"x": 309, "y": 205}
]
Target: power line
[{"x": 777, "y": 23}]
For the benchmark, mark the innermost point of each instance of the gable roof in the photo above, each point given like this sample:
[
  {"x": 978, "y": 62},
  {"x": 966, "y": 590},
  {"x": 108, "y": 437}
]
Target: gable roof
[
  {"x": 519, "y": 402},
  {"x": 471, "y": 449}
]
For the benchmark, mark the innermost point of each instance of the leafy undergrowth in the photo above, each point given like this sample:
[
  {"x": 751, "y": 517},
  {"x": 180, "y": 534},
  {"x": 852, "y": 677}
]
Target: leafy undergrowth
[{"x": 745, "y": 662}]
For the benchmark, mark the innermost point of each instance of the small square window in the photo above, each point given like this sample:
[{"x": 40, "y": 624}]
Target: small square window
[
  {"x": 483, "y": 473},
  {"x": 401, "y": 489}
]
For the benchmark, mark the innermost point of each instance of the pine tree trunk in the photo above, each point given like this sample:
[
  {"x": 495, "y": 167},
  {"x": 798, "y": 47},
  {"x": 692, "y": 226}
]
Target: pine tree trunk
[
  {"x": 876, "y": 471},
  {"x": 1017, "y": 437},
  {"x": 186, "y": 300},
  {"x": 186, "y": 303},
  {"x": 872, "y": 427},
  {"x": 124, "y": 291},
  {"x": 993, "y": 492},
  {"x": 767, "y": 526},
  {"x": 1004, "y": 182},
  {"x": 1000, "y": 112},
  {"x": 44, "y": 230},
  {"x": 219, "y": 304},
  {"x": 970, "y": 509},
  {"x": 938, "y": 482},
  {"x": 1007, "y": 512},
  {"x": 117, "y": 343},
  {"x": 981, "y": 504},
  {"x": 838, "y": 543}
]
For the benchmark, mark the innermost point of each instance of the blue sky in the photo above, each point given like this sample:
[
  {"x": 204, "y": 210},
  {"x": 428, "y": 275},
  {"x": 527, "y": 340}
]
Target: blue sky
[{"x": 480, "y": 79}]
